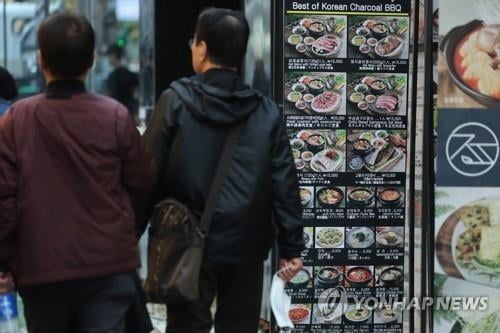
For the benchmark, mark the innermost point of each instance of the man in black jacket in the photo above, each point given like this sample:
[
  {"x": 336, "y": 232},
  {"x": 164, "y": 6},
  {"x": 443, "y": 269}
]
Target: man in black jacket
[{"x": 187, "y": 134}]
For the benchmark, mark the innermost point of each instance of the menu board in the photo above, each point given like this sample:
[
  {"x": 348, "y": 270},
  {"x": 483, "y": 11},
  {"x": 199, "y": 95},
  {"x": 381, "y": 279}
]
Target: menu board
[
  {"x": 467, "y": 197},
  {"x": 345, "y": 98}
]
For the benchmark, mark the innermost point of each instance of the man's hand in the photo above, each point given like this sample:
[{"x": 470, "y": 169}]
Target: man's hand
[
  {"x": 6, "y": 283},
  {"x": 289, "y": 268}
]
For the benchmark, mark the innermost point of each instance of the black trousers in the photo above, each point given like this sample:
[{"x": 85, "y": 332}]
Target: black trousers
[
  {"x": 86, "y": 306},
  {"x": 238, "y": 290}
]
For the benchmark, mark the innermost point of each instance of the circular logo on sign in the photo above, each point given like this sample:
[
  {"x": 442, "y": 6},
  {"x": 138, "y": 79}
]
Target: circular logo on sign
[
  {"x": 332, "y": 303},
  {"x": 472, "y": 149}
]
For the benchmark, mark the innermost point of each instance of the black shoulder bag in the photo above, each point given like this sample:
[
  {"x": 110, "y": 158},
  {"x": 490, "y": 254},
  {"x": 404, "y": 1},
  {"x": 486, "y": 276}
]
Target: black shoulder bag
[{"x": 177, "y": 239}]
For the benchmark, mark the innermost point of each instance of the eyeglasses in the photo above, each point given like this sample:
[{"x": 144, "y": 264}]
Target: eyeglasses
[{"x": 191, "y": 42}]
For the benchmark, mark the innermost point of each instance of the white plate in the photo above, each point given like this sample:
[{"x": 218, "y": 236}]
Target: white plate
[
  {"x": 330, "y": 246},
  {"x": 332, "y": 53},
  {"x": 366, "y": 243},
  {"x": 333, "y": 108},
  {"x": 394, "y": 53},
  {"x": 335, "y": 167}
]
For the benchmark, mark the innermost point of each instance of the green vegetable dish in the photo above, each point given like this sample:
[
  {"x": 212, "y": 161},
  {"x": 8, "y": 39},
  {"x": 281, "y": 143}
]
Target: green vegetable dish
[
  {"x": 489, "y": 323},
  {"x": 329, "y": 238}
]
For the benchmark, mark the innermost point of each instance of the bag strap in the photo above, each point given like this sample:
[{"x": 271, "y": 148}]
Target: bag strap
[{"x": 220, "y": 177}]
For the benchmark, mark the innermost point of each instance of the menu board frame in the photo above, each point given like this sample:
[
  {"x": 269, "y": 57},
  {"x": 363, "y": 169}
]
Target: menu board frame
[{"x": 337, "y": 122}]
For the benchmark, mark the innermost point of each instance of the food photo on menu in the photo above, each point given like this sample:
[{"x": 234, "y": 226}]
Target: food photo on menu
[
  {"x": 317, "y": 36},
  {"x": 306, "y": 196},
  {"x": 390, "y": 197},
  {"x": 330, "y": 197},
  {"x": 303, "y": 279},
  {"x": 469, "y": 60},
  {"x": 360, "y": 237},
  {"x": 358, "y": 314},
  {"x": 358, "y": 276},
  {"x": 361, "y": 197},
  {"x": 308, "y": 237},
  {"x": 327, "y": 277},
  {"x": 466, "y": 320},
  {"x": 318, "y": 151},
  {"x": 378, "y": 37},
  {"x": 329, "y": 237},
  {"x": 315, "y": 93},
  {"x": 300, "y": 314},
  {"x": 327, "y": 314},
  {"x": 389, "y": 276},
  {"x": 386, "y": 314},
  {"x": 377, "y": 94},
  {"x": 376, "y": 151},
  {"x": 467, "y": 244},
  {"x": 389, "y": 237},
  {"x": 329, "y": 308}
]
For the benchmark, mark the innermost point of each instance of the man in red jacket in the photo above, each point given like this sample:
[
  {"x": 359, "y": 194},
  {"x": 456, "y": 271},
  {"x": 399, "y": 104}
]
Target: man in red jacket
[{"x": 68, "y": 161}]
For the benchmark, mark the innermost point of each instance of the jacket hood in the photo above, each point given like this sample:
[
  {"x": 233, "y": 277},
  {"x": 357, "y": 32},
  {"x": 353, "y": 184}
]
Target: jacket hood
[{"x": 219, "y": 98}]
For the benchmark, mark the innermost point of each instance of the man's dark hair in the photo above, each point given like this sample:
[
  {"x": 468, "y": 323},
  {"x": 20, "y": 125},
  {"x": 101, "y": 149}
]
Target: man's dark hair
[
  {"x": 67, "y": 43},
  {"x": 8, "y": 88},
  {"x": 116, "y": 51},
  {"x": 226, "y": 34}
]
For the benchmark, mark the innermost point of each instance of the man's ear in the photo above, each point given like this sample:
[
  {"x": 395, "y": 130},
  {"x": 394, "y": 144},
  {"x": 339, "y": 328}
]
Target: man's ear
[
  {"x": 203, "y": 51},
  {"x": 39, "y": 59}
]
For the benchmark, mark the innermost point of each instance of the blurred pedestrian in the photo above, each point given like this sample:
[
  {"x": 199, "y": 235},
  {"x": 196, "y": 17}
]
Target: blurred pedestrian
[
  {"x": 70, "y": 160},
  {"x": 187, "y": 133},
  {"x": 8, "y": 90},
  {"x": 122, "y": 84}
]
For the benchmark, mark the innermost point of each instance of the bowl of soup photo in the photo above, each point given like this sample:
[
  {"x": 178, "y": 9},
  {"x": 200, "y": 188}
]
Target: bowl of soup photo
[
  {"x": 390, "y": 197},
  {"x": 316, "y": 143},
  {"x": 359, "y": 277},
  {"x": 328, "y": 277},
  {"x": 391, "y": 277},
  {"x": 358, "y": 314},
  {"x": 361, "y": 197},
  {"x": 362, "y": 147},
  {"x": 301, "y": 279},
  {"x": 330, "y": 197}
]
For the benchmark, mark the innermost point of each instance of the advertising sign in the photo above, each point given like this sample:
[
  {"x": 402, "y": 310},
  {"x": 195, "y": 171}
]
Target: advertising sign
[
  {"x": 345, "y": 97},
  {"x": 467, "y": 197}
]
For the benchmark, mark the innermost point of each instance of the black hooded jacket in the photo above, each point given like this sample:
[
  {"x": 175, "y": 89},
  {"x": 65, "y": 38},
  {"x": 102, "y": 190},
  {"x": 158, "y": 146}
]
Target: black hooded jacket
[{"x": 187, "y": 134}]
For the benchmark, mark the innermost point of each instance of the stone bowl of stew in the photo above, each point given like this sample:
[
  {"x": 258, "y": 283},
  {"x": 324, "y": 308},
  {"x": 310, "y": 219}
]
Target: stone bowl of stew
[
  {"x": 316, "y": 143},
  {"x": 390, "y": 197},
  {"x": 330, "y": 197},
  {"x": 362, "y": 147},
  {"x": 391, "y": 277},
  {"x": 359, "y": 277},
  {"x": 361, "y": 197},
  {"x": 328, "y": 277},
  {"x": 317, "y": 29},
  {"x": 378, "y": 87}
]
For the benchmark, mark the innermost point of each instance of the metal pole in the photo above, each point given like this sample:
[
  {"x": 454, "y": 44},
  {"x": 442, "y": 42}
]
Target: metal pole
[
  {"x": 4, "y": 14},
  {"x": 428, "y": 170},
  {"x": 413, "y": 135}
]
